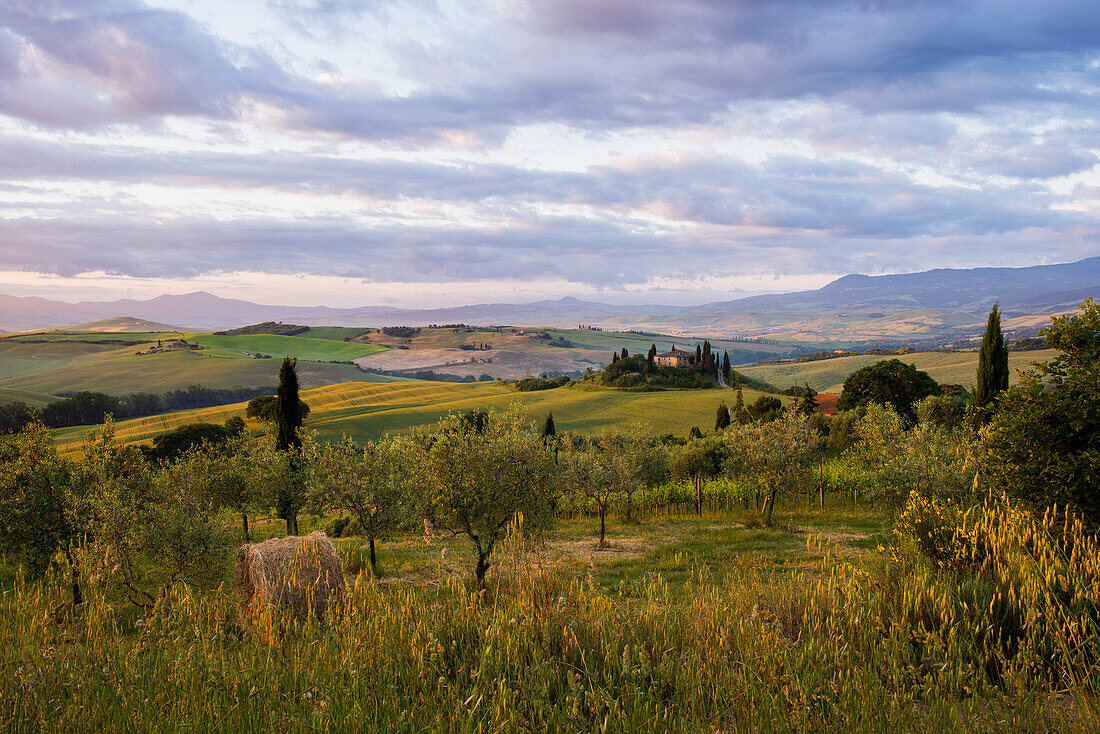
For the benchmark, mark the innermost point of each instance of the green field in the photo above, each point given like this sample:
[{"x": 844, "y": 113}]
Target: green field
[
  {"x": 56, "y": 368},
  {"x": 828, "y": 375},
  {"x": 366, "y": 410},
  {"x": 301, "y": 347}
]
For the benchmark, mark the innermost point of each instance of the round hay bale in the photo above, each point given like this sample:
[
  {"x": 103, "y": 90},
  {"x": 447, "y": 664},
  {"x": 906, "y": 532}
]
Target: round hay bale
[{"x": 301, "y": 574}]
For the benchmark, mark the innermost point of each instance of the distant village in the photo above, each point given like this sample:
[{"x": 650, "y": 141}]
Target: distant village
[{"x": 172, "y": 345}]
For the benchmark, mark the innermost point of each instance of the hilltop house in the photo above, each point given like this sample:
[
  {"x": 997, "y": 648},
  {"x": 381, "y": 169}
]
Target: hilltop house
[{"x": 675, "y": 358}]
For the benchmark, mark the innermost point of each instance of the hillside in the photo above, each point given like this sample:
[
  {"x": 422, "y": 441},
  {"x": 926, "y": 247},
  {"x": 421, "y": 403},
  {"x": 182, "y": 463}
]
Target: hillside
[
  {"x": 123, "y": 324},
  {"x": 365, "y": 410},
  {"x": 828, "y": 375}
]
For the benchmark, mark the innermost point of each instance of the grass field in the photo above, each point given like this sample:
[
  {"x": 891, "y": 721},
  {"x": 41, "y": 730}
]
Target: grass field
[
  {"x": 301, "y": 347},
  {"x": 69, "y": 367},
  {"x": 683, "y": 624},
  {"x": 828, "y": 375},
  {"x": 366, "y": 410}
]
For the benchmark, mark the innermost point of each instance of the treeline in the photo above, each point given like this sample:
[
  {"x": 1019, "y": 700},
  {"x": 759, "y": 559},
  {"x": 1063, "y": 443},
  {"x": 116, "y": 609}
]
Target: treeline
[
  {"x": 88, "y": 408},
  {"x": 402, "y": 332},
  {"x": 428, "y": 375},
  {"x": 267, "y": 327}
]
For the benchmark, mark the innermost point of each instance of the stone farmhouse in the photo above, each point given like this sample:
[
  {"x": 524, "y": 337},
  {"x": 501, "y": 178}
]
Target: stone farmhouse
[{"x": 675, "y": 358}]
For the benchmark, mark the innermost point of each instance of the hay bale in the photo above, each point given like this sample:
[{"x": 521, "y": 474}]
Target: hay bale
[{"x": 297, "y": 573}]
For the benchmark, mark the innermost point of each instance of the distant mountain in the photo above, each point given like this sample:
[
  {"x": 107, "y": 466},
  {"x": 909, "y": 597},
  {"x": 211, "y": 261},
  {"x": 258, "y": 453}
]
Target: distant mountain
[
  {"x": 976, "y": 289},
  {"x": 1039, "y": 289}
]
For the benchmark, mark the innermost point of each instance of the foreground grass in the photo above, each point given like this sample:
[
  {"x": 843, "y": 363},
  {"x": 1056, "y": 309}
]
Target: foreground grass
[{"x": 705, "y": 625}]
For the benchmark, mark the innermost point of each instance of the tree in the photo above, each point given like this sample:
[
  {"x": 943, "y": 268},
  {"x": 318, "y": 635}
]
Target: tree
[
  {"x": 173, "y": 444},
  {"x": 698, "y": 354},
  {"x": 288, "y": 416},
  {"x": 239, "y": 473},
  {"x": 548, "y": 430},
  {"x": 612, "y": 468},
  {"x": 887, "y": 382},
  {"x": 766, "y": 408},
  {"x": 806, "y": 405},
  {"x": 1043, "y": 442},
  {"x": 266, "y": 408},
  {"x": 652, "y": 355},
  {"x": 288, "y": 419},
  {"x": 624, "y": 354},
  {"x": 476, "y": 483},
  {"x": 722, "y": 417},
  {"x": 726, "y": 365},
  {"x": 39, "y": 503},
  {"x": 992, "y": 377},
  {"x": 695, "y": 432},
  {"x": 739, "y": 413},
  {"x": 371, "y": 483},
  {"x": 780, "y": 456}
]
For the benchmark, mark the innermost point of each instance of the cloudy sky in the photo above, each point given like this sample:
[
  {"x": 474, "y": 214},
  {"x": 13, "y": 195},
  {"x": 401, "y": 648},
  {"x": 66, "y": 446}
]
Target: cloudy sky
[{"x": 432, "y": 152}]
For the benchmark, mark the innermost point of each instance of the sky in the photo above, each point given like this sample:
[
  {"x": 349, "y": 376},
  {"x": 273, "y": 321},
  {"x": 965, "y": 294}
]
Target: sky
[{"x": 444, "y": 152}]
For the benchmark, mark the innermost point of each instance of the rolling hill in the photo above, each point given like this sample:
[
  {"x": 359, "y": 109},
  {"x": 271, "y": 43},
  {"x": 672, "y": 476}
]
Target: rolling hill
[
  {"x": 950, "y": 300},
  {"x": 828, "y": 375},
  {"x": 366, "y": 410}
]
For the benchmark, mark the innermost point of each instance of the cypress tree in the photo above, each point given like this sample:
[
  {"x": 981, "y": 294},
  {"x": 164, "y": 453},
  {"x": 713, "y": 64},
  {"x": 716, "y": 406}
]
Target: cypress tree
[
  {"x": 625, "y": 354},
  {"x": 806, "y": 405},
  {"x": 548, "y": 429},
  {"x": 698, "y": 354},
  {"x": 652, "y": 356},
  {"x": 992, "y": 377},
  {"x": 726, "y": 365},
  {"x": 614, "y": 357},
  {"x": 722, "y": 418},
  {"x": 288, "y": 419},
  {"x": 288, "y": 416}
]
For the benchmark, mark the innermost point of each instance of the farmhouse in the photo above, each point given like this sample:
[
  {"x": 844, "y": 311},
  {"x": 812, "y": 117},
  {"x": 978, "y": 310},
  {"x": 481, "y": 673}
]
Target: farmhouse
[{"x": 675, "y": 358}]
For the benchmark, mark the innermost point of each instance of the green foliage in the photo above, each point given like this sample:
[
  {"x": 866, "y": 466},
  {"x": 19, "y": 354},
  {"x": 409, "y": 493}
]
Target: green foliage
[
  {"x": 928, "y": 461},
  {"x": 766, "y": 408},
  {"x": 779, "y": 456},
  {"x": 175, "y": 443},
  {"x": 806, "y": 406},
  {"x": 887, "y": 382},
  {"x": 548, "y": 429},
  {"x": 1043, "y": 444},
  {"x": 266, "y": 408},
  {"x": 992, "y": 375},
  {"x": 371, "y": 483},
  {"x": 152, "y": 529},
  {"x": 38, "y": 501},
  {"x": 477, "y": 482},
  {"x": 942, "y": 411},
  {"x": 722, "y": 417},
  {"x": 532, "y": 384}
]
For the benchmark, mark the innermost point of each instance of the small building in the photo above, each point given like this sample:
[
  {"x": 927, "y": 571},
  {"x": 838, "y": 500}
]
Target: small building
[{"x": 675, "y": 358}]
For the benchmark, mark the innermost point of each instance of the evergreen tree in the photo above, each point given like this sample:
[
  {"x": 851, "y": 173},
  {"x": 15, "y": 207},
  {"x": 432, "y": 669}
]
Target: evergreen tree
[
  {"x": 288, "y": 419},
  {"x": 726, "y": 365},
  {"x": 992, "y": 377},
  {"x": 722, "y": 419},
  {"x": 652, "y": 356},
  {"x": 614, "y": 357},
  {"x": 548, "y": 429},
  {"x": 698, "y": 354},
  {"x": 806, "y": 405},
  {"x": 695, "y": 432},
  {"x": 625, "y": 354},
  {"x": 739, "y": 412}
]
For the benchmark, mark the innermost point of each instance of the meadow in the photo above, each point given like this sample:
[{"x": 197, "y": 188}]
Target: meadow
[
  {"x": 684, "y": 622},
  {"x": 365, "y": 410},
  {"x": 301, "y": 346},
  {"x": 828, "y": 375}
]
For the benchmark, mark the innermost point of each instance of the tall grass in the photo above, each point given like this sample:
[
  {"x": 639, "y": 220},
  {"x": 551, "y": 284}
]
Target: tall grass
[{"x": 902, "y": 645}]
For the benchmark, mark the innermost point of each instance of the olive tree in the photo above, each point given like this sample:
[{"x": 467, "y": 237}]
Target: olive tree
[
  {"x": 153, "y": 527},
  {"x": 476, "y": 479},
  {"x": 368, "y": 482},
  {"x": 779, "y": 456},
  {"x": 41, "y": 507}
]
